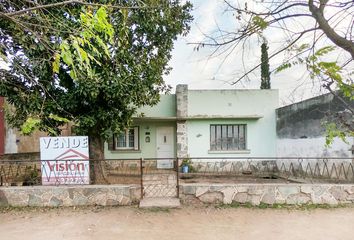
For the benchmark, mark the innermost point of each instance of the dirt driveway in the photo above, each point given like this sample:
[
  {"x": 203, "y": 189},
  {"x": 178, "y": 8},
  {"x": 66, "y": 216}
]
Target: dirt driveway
[{"x": 186, "y": 223}]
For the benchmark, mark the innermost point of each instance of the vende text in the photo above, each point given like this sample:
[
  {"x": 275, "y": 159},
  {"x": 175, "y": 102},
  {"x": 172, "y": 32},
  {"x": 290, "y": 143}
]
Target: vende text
[{"x": 58, "y": 143}]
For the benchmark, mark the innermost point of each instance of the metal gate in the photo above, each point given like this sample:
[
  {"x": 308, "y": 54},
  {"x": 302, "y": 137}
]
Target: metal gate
[{"x": 159, "y": 178}]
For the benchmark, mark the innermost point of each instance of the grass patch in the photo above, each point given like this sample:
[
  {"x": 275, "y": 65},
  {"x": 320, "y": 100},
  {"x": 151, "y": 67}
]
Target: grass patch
[
  {"x": 156, "y": 209},
  {"x": 284, "y": 206},
  {"x": 94, "y": 208},
  {"x": 27, "y": 209}
]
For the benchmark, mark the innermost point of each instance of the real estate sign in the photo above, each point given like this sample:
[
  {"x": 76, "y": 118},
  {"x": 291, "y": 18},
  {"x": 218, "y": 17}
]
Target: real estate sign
[{"x": 65, "y": 160}]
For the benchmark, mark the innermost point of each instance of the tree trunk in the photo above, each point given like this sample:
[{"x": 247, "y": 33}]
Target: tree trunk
[{"x": 96, "y": 146}]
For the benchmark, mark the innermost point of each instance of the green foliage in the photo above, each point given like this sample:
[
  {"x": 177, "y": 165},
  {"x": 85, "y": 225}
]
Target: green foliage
[
  {"x": 332, "y": 132},
  {"x": 283, "y": 67},
  {"x": 188, "y": 162},
  {"x": 93, "y": 66},
  {"x": 59, "y": 119},
  {"x": 259, "y": 22},
  {"x": 30, "y": 125},
  {"x": 156, "y": 210},
  {"x": 318, "y": 67},
  {"x": 265, "y": 74},
  {"x": 92, "y": 40}
]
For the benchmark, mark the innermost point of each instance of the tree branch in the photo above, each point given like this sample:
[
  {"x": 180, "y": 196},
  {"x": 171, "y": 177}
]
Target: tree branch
[
  {"x": 273, "y": 55},
  {"x": 20, "y": 12},
  {"x": 342, "y": 42},
  {"x": 276, "y": 11}
]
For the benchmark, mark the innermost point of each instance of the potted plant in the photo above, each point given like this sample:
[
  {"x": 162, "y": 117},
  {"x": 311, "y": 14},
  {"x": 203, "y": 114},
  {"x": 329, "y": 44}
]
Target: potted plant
[{"x": 186, "y": 166}]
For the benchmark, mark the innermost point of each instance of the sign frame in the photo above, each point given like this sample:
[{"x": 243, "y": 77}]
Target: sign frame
[{"x": 65, "y": 160}]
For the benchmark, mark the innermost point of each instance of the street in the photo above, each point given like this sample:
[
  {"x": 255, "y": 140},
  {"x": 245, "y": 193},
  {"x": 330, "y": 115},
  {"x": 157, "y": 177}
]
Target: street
[{"x": 187, "y": 223}]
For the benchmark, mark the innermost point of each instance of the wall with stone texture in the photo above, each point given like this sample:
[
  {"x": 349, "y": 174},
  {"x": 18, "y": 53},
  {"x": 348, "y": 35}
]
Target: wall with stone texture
[
  {"x": 182, "y": 112},
  {"x": 255, "y": 194},
  {"x": 110, "y": 195},
  {"x": 49, "y": 196}
]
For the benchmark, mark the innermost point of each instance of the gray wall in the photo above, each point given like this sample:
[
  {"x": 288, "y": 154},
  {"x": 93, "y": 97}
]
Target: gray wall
[{"x": 301, "y": 128}]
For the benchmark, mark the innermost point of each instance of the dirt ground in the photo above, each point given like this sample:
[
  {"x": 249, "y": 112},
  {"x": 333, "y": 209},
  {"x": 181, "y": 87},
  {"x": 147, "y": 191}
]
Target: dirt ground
[{"x": 186, "y": 223}]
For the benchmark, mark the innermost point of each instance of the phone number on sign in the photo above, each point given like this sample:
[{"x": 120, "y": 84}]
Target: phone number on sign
[
  {"x": 66, "y": 180},
  {"x": 73, "y": 180}
]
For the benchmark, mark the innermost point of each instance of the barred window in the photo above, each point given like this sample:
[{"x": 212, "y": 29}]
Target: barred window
[
  {"x": 128, "y": 139},
  {"x": 228, "y": 137}
]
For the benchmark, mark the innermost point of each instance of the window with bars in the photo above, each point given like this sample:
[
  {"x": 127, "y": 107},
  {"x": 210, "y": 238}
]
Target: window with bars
[
  {"x": 127, "y": 140},
  {"x": 228, "y": 137}
]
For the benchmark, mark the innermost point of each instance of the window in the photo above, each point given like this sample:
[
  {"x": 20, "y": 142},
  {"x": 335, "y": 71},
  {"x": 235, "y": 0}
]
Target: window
[
  {"x": 227, "y": 137},
  {"x": 127, "y": 140}
]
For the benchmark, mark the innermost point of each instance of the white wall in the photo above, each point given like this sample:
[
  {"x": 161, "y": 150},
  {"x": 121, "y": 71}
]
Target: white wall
[
  {"x": 261, "y": 132},
  {"x": 313, "y": 147},
  {"x": 10, "y": 141}
]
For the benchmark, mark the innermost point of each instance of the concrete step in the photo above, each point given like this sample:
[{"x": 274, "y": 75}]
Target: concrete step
[{"x": 160, "y": 202}]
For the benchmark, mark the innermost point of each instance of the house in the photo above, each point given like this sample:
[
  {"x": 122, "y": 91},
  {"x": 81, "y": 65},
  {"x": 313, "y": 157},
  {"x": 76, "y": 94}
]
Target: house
[
  {"x": 301, "y": 128},
  {"x": 215, "y": 124},
  {"x": 200, "y": 124}
]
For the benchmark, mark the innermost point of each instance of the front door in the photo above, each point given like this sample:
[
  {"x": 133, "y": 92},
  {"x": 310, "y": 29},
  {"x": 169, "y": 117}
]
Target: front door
[{"x": 165, "y": 147}]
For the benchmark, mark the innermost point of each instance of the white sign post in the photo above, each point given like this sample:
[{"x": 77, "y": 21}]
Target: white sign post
[{"x": 65, "y": 160}]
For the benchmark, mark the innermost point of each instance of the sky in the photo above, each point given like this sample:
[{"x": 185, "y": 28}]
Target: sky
[{"x": 202, "y": 70}]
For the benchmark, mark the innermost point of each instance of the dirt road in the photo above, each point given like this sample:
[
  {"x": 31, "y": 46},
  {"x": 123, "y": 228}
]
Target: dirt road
[{"x": 186, "y": 223}]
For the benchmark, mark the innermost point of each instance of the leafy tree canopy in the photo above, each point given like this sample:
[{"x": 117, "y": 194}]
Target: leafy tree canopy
[{"x": 93, "y": 63}]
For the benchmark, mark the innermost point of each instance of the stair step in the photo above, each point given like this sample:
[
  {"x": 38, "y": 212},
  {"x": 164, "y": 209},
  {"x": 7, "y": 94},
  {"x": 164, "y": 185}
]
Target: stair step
[{"x": 160, "y": 202}]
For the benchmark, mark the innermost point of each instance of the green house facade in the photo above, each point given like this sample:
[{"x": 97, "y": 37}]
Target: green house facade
[{"x": 201, "y": 123}]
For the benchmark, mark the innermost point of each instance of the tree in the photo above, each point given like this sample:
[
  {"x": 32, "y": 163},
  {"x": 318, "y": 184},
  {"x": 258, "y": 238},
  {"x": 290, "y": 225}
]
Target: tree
[
  {"x": 265, "y": 75},
  {"x": 317, "y": 34},
  {"x": 92, "y": 63}
]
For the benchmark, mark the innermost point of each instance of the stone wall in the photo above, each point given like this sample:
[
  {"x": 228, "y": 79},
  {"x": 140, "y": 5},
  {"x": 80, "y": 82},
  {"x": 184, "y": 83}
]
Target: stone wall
[
  {"x": 182, "y": 112},
  {"x": 55, "y": 196},
  {"x": 182, "y": 139},
  {"x": 255, "y": 194},
  {"x": 111, "y": 195},
  {"x": 182, "y": 100}
]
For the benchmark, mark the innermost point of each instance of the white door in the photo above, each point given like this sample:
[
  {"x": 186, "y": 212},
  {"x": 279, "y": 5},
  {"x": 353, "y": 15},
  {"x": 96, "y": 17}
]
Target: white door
[{"x": 165, "y": 147}]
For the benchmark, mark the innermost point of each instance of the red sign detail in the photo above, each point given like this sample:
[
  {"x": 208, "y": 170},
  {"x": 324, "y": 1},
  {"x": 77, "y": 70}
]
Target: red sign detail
[{"x": 72, "y": 154}]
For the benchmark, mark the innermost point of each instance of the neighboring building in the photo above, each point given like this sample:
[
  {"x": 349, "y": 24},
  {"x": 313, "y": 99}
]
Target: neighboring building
[
  {"x": 301, "y": 129},
  {"x": 15, "y": 142},
  {"x": 12, "y": 141},
  {"x": 202, "y": 123}
]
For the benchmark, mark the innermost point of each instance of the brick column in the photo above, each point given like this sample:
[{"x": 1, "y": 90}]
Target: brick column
[{"x": 182, "y": 112}]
